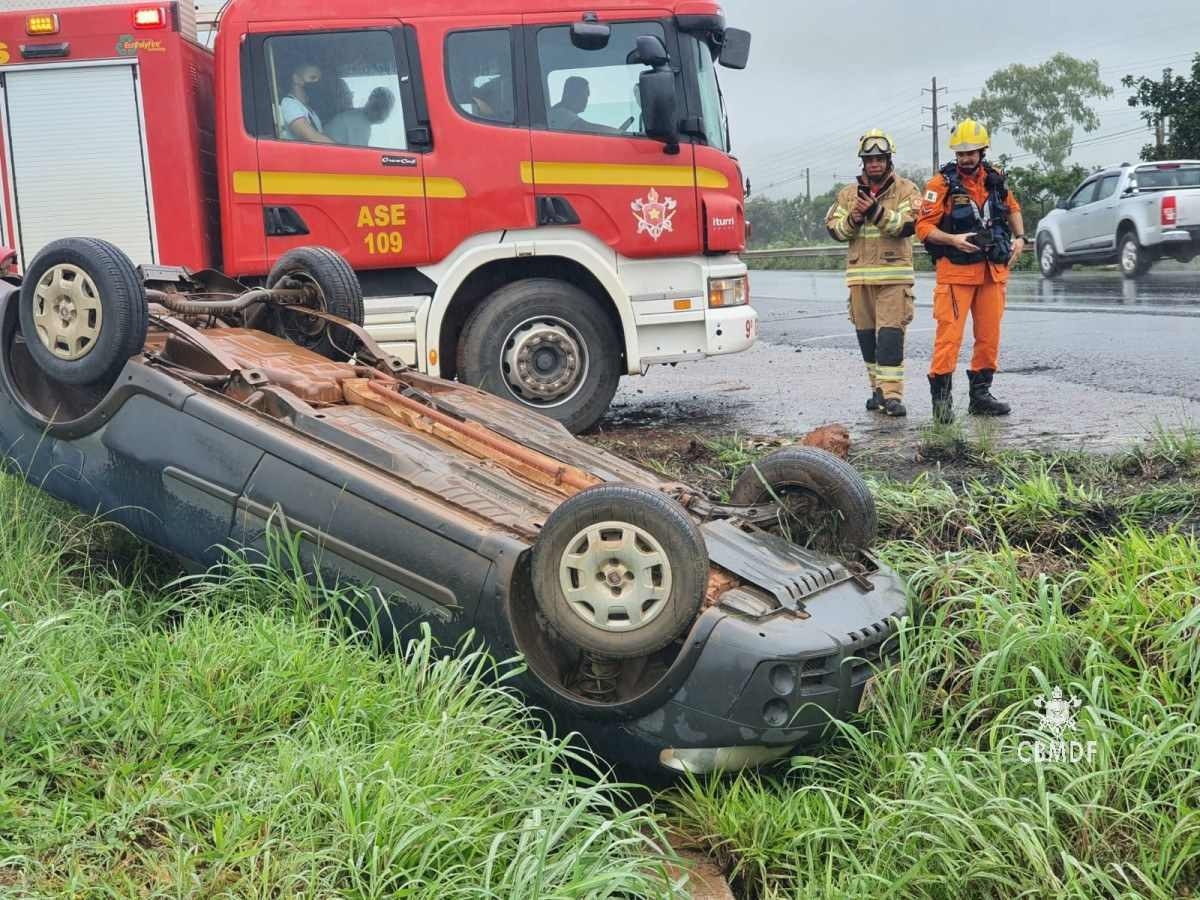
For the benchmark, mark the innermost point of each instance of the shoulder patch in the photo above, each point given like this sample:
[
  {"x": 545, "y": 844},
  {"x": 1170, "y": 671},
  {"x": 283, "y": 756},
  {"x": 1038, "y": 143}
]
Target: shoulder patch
[{"x": 931, "y": 196}]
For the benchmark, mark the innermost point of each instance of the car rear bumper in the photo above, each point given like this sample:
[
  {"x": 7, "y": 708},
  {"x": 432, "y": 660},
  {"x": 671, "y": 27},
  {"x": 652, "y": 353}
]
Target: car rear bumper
[{"x": 1182, "y": 236}]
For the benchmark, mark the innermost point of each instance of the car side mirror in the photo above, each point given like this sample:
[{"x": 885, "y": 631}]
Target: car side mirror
[
  {"x": 1062, "y": 204},
  {"x": 590, "y": 35},
  {"x": 735, "y": 49}
]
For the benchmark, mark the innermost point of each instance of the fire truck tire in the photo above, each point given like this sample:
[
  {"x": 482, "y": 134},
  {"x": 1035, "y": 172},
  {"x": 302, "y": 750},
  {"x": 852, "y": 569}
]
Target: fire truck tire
[
  {"x": 620, "y": 570},
  {"x": 829, "y": 506},
  {"x": 83, "y": 311},
  {"x": 546, "y": 344},
  {"x": 338, "y": 289}
]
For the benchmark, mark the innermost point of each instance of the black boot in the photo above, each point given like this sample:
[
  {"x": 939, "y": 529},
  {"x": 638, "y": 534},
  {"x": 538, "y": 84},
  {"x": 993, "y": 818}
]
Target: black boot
[
  {"x": 982, "y": 401},
  {"x": 941, "y": 389},
  {"x": 876, "y": 402},
  {"x": 895, "y": 408}
]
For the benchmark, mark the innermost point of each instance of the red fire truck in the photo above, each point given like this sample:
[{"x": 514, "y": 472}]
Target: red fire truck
[{"x": 538, "y": 195}]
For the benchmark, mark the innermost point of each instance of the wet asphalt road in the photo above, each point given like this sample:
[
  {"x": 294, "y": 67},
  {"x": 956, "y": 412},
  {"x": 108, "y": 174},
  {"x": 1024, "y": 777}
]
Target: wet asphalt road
[{"x": 1088, "y": 361}]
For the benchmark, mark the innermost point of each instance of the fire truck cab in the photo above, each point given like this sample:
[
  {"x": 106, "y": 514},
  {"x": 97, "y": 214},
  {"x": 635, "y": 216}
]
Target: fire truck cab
[{"x": 537, "y": 196}]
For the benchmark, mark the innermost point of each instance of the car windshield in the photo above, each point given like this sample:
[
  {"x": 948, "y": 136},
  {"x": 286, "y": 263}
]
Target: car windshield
[
  {"x": 1161, "y": 177},
  {"x": 712, "y": 104}
]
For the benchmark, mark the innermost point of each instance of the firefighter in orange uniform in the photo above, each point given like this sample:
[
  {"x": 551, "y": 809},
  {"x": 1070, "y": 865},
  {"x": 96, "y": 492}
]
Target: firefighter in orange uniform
[
  {"x": 876, "y": 215},
  {"x": 971, "y": 224}
]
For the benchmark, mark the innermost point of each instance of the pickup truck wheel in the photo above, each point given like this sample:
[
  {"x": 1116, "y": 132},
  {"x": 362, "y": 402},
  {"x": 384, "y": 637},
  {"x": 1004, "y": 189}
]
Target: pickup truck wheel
[
  {"x": 546, "y": 344},
  {"x": 620, "y": 570},
  {"x": 1048, "y": 260},
  {"x": 335, "y": 289},
  {"x": 828, "y": 507},
  {"x": 1133, "y": 258},
  {"x": 83, "y": 311}
]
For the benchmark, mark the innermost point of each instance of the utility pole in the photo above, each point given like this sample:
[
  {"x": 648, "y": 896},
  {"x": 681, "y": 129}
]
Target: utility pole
[
  {"x": 935, "y": 127},
  {"x": 1160, "y": 123},
  {"x": 807, "y": 185}
]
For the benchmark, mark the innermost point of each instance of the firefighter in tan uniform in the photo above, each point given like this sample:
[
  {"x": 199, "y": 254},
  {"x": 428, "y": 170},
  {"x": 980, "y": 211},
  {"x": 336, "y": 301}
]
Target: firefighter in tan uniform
[{"x": 877, "y": 216}]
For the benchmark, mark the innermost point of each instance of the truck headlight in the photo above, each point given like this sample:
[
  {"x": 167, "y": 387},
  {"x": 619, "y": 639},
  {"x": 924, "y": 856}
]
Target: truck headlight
[{"x": 724, "y": 292}]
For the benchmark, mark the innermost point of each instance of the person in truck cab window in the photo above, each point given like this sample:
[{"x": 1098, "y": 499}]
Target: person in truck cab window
[
  {"x": 567, "y": 114},
  {"x": 299, "y": 120},
  {"x": 352, "y": 126},
  {"x": 487, "y": 100}
]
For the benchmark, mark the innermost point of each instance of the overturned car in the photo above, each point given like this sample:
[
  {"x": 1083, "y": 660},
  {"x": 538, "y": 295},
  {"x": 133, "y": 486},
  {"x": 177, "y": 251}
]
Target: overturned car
[{"x": 668, "y": 629}]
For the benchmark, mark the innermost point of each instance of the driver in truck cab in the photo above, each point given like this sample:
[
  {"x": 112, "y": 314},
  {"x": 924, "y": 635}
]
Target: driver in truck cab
[{"x": 567, "y": 113}]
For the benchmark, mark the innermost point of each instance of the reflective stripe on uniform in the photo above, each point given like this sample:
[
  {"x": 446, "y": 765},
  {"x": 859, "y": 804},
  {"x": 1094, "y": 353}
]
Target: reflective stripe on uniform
[
  {"x": 889, "y": 373},
  {"x": 900, "y": 274}
]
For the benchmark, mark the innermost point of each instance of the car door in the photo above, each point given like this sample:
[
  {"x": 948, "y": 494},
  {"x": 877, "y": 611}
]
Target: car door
[
  {"x": 340, "y": 163},
  {"x": 1102, "y": 214},
  {"x": 1074, "y": 225}
]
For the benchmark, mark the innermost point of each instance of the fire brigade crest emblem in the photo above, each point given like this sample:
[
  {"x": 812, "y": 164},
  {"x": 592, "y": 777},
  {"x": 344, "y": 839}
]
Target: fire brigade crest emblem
[
  {"x": 1058, "y": 712},
  {"x": 654, "y": 214}
]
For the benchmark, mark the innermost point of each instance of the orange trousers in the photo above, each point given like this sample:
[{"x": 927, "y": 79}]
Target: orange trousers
[{"x": 951, "y": 303}]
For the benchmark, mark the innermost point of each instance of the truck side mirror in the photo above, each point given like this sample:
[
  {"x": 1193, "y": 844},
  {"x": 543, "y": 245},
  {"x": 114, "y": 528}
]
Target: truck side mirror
[
  {"x": 660, "y": 114},
  {"x": 590, "y": 34},
  {"x": 650, "y": 51},
  {"x": 735, "y": 49}
]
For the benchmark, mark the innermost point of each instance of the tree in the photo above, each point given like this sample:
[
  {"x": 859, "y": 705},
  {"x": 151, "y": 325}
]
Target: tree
[
  {"x": 789, "y": 223},
  {"x": 1176, "y": 100},
  {"x": 1040, "y": 106}
]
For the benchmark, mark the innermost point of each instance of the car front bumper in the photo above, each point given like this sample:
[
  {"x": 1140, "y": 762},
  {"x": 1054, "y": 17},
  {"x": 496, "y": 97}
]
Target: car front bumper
[{"x": 759, "y": 688}]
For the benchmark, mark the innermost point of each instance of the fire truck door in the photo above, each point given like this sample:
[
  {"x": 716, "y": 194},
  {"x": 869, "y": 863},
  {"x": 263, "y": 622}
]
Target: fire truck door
[
  {"x": 340, "y": 163},
  {"x": 589, "y": 148}
]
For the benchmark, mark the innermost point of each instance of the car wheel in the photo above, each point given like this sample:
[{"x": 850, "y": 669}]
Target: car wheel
[
  {"x": 1133, "y": 259},
  {"x": 1048, "y": 260},
  {"x": 83, "y": 311},
  {"x": 547, "y": 345},
  {"x": 827, "y": 506},
  {"x": 336, "y": 291},
  {"x": 620, "y": 570}
]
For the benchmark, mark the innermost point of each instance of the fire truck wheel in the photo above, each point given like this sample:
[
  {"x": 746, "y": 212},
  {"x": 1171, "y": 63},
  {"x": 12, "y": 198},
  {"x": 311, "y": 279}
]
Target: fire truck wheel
[
  {"x": 828, "y": 505},
  {"x": 620, "y": 570},
  {"x": 337, "y": 291},
  {"x": 546, "y": 344},
  {"x": 83, "y": 311}
]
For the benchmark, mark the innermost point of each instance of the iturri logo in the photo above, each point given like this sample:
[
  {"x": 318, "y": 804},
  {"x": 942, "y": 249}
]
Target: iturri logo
[{"x": 1058, "y": 721}]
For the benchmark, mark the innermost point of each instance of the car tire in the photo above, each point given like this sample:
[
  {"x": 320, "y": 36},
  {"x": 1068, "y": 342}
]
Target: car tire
[
  {"x": 1132, "y": 258},
  {"x": 614, "y": 552},
  {"x": 83, "y": 311},
  {"x": 830, "y": 506},
  {"x": 1048, "y": 260},
  {"x": 339, "y": 294},
  {"x": 543, "y": 322}
]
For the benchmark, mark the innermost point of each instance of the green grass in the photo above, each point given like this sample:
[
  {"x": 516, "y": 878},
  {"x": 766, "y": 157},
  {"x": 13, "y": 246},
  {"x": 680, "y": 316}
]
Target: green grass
[
  {"x": 1037, "y": 572},
  {"x": 218, "y": 737},
  {"x": 226, "y": 736}
]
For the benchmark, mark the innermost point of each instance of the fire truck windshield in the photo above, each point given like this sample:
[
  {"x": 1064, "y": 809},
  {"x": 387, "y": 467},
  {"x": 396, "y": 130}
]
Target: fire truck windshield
[{"x": 712, "y": 103}]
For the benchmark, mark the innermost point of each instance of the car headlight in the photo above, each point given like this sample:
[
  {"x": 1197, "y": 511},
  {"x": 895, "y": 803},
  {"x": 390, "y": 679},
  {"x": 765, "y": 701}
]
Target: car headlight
[{"x": 724, "y": 292}]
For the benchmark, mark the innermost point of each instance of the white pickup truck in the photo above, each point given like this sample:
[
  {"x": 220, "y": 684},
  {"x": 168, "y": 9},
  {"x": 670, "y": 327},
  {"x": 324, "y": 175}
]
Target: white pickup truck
[{"x": 1130, "y": 215}]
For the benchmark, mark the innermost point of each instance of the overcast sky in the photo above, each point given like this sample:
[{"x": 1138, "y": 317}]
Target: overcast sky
[{"x": 822, "y": 72}]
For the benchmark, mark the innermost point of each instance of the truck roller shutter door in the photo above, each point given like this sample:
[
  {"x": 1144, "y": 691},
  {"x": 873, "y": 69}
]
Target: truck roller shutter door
[{"x": 78, "y": 158}]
